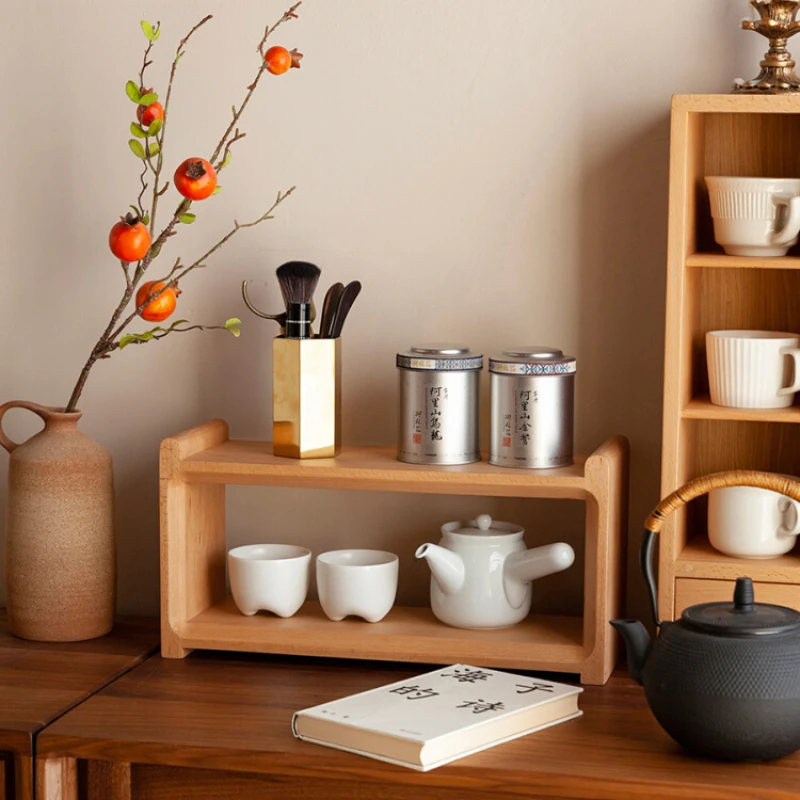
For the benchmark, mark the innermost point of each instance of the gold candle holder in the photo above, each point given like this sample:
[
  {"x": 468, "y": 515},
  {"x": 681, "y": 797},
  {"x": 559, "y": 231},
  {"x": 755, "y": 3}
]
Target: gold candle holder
[
  {"x": 306, "y": 397},
  {"x": 778, "y": 23}
]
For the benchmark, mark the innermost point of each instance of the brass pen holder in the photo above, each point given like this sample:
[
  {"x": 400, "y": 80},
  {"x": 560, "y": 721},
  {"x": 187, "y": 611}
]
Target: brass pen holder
[{"x": 306, "y": 397}]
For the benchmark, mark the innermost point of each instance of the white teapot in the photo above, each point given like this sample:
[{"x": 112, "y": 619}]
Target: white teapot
[{"x": 482, "y": 572}]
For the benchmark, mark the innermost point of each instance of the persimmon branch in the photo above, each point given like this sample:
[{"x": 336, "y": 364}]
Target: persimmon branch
[
  {"x": 160, "y": 139},
  {"x": 156, "y": 335}
]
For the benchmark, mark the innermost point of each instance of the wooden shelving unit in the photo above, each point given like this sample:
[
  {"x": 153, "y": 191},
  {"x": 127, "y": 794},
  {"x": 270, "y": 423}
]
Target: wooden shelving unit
[
  {"x": 197, "y": 613},
  {"x": 707, "y": 290}
]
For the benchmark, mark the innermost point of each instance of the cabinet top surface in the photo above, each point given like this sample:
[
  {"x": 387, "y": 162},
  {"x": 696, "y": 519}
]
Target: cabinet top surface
[
  {"x": 737, "y": 103},
  {"x": 39, "y": 681},
  {"x": 226, "y": 712}
]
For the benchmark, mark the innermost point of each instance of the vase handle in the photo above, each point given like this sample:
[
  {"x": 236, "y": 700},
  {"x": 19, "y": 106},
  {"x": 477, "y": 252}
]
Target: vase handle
[{"x": 41, "y": 411}]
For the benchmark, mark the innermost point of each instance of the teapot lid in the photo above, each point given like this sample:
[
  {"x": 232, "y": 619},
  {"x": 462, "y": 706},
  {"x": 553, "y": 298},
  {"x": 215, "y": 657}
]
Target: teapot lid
[
  {"x": 482, "y": 525},
  {"x": 743, "y": 617}
]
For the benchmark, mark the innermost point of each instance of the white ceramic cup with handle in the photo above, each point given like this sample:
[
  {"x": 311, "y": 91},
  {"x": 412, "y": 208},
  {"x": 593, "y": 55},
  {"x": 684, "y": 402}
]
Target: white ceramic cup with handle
[
  {"x": 753, "y": 369},
  {"x": 755, "y": 216},
  {"x": 746, "y": 522},
  {"x": 362, "y": 583},
  {"x": 269, "y": 577}
]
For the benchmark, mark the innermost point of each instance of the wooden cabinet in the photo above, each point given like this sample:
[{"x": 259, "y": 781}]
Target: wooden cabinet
[
  {"x": 739, "y": 135},
  {"x": 689, "y": 591}
]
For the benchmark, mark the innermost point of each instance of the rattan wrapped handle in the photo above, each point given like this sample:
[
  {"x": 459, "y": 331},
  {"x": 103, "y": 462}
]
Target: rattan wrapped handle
[{"x": 783, "y": 484}]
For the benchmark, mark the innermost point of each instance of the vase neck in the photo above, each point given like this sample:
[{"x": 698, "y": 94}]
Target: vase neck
[{"x": 58, "y": 421}]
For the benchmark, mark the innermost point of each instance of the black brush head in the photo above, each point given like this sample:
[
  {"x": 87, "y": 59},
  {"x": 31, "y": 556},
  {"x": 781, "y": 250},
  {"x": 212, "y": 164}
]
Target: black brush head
[{"x": 298, "y": 280}]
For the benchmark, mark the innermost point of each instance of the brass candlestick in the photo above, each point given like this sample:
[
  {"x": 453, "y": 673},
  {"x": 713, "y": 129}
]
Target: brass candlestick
[{"x": 778, "y": 24}]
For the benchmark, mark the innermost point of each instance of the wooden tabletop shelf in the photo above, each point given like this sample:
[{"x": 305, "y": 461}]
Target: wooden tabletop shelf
[
  {"x": 196, "y": 613},
  {"x": 377, "y": 469},
  {"x": 721, "y": 261},
  {"x": 408, "y": 634},
  {"x": 703, "y": 408},
  {"x": 699, "y": 559}
]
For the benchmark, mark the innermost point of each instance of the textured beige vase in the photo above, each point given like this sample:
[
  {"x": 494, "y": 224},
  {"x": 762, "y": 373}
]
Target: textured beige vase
[{"x": 60, "y": 552}]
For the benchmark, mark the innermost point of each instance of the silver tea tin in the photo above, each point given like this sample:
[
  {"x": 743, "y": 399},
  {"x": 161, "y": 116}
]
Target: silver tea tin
[
  {"x": 439, "y": 403},
  {"x": 532, "y": 393}
]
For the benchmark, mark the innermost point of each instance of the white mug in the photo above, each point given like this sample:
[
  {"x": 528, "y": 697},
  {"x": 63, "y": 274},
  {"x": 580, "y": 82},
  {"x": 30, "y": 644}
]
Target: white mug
[
  {"x": 753, "y": 369},
  {"x": 755, "y": 216},
  {"x": 269, "y": 577},
  {"x": 746, "y": 522},
  {"x": 358, "y": 582}
]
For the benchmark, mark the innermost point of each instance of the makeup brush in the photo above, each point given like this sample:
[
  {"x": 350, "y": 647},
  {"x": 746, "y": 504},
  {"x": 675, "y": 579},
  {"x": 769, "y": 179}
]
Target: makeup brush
[
  {"x": 298, "y": 281},
  {"x": 279, "y": 318}
]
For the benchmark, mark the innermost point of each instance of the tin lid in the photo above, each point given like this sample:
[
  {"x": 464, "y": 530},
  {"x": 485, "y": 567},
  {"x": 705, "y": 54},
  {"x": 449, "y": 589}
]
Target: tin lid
[
  {"x": 533, "y": 360},
  {"x": 439, "y": 357}
]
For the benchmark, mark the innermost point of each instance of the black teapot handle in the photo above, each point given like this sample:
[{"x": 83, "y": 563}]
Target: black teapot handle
[{"x": 783, "y": 484}]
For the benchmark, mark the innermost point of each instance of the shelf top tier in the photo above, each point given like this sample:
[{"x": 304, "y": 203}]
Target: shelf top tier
[
  {"x": 206, "y": 455},
  {"x": 736, "y": 103}
]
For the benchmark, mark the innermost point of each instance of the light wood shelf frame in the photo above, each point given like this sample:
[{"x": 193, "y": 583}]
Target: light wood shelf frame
[
  {"x": 745, "y": 135},
  {"x": 196, "y": 612}
]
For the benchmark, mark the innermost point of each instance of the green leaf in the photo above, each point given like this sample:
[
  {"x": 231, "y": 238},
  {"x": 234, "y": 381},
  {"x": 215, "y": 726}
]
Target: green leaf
[
  {"x": 146, "y": 219},
  {"x": 188, "y": 218},
  {"x": 136, "y": 148},
  {"x": 135, "y": 210},
  {"x": 217, "y": 190},
  {"x": 132, "y": 90},
  {"x": 149, "y": 32},
  {"x": 148, "y": 99},
  {"x": 155, "y": 127},
  {"x": 138, "y": 130},
  {"x": 177, "y": 322},
  {"x": 227, "y": 159},
  {"x": 126, "y": 340},
  {"x": 153, "y": 148},
  {"x": 232, "y": 325}
]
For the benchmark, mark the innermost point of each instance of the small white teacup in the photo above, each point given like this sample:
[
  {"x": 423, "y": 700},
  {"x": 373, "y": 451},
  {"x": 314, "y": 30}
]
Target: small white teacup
[
  {"x": 755, "y": 216},
  {"x": 269, "y": 577},
  {"x": 753, "y": 369},
  {"x": 358, "y": 582},
  {"x": 746, "y": 522}
]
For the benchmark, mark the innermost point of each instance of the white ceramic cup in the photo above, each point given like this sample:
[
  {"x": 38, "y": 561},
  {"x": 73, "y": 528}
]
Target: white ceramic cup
[
  {"x": 358, "y": 582},
  {"x": 269, "y": 577},
  {"x": 752, "y": 523},
  {"x": 755, "y": 216},
  {"x": 753, "y": 369}
]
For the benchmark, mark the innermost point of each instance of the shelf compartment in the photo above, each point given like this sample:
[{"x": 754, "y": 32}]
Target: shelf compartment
[
  {"x": 700, "y": 560},
  {"x": 721, "y": 261},
  {"x": 196, "y": 612},
  {"x": 703, "y": 408},
  {"x": 691, "y": 591},
  {"x": 546, "y": 642},
  {"x": 377, "y": 469}
]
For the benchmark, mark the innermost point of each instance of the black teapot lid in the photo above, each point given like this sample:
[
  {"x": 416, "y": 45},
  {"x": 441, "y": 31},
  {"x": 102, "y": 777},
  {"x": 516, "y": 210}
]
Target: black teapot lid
[{"x": 743, "y": 617}]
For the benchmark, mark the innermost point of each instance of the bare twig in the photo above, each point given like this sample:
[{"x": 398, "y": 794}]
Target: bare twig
[
  {"x": 287, "y": 15},
  {"x": 221, "y": 163},
  {"x": 143, "y": 190},
  {"x": 127, "y": 274}
]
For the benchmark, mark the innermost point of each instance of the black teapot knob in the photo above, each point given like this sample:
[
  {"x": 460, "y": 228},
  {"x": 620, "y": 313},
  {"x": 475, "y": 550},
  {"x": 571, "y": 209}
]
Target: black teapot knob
[{"x": 743, "y": 596}]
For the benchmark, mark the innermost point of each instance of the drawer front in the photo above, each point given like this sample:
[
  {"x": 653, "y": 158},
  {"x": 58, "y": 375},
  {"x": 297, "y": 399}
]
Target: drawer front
[{"x": 690, "y": 591}]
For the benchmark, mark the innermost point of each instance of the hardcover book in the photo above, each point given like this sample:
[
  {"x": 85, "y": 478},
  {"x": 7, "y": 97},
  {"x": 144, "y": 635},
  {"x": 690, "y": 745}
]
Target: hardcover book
[{"x": 435, "y": 718}]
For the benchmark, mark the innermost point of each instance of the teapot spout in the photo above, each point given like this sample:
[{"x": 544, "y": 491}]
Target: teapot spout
[
  {"x": 637, "y": 644},
  {"x": 538, "y": 562},
  {"x": 447, "y": 567}
]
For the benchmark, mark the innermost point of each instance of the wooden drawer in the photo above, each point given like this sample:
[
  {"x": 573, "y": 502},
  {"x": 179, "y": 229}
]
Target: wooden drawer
[{"x": 689, "y": 591}]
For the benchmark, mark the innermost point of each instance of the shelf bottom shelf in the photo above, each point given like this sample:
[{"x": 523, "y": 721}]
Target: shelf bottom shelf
[{"x": 540, "y": 642}]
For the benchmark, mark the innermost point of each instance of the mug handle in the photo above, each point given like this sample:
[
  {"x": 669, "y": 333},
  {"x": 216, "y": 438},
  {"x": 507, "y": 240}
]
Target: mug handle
[
  {"x": 41, "y": 411},
  {"x": 788, "y": 530},
  {"x": 794, "y": 352},
  {"x": 792, "y": 227}
]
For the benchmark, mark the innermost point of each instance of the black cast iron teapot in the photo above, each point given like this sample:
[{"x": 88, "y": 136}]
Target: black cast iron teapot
[{"x": 724, "y": 680}]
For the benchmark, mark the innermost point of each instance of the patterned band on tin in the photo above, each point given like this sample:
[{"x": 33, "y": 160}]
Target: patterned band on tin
[
  {"x": 440, "y": 364},
  {"x": 547, "y": 368}
]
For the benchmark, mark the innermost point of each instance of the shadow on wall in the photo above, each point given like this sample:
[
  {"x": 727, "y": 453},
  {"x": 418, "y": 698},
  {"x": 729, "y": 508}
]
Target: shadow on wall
[{"x": 623, "y": 231}]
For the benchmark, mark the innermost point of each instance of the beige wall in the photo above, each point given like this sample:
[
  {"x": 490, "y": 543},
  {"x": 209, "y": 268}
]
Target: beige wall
[{"x": 493, "y": 172}]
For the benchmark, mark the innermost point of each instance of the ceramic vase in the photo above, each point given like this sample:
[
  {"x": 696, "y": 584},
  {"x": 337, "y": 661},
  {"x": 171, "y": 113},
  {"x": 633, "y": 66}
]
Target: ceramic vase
[{"x": 60, "y": 549}]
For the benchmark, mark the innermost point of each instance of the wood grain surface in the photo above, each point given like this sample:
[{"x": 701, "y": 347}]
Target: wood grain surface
[
  {"x": 219, "y": 727},
  {"x": 39, "y": 681}
]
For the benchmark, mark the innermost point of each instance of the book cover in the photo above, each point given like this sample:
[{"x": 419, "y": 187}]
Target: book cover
[{"x": 429, "y": 720}]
